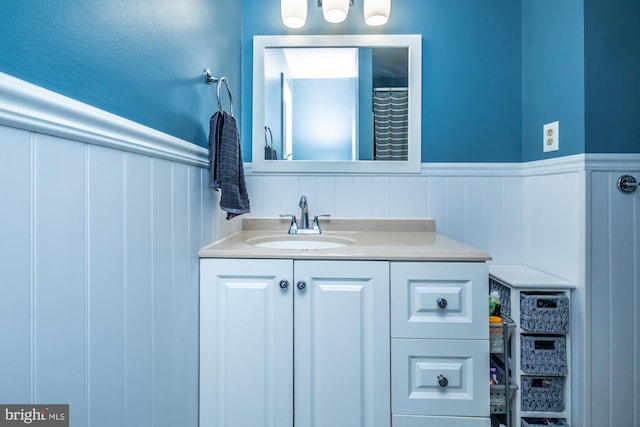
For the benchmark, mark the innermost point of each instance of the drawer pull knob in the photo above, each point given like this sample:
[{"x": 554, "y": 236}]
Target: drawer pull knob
[
  {"x": 442, "y": 303},
  {"x": 284, "y": 284},
  {"x": 301, "y": 285},
  {"x": 443, "y": 381}
]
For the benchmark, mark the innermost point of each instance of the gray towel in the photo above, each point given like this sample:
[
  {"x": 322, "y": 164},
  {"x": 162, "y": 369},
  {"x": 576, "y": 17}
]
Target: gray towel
[{"x": 226, "y": 172}]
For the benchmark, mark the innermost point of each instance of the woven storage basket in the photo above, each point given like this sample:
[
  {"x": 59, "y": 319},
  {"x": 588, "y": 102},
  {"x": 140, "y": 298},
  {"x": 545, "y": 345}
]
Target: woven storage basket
[
  {"x": 530, "y": 422},
  {"x": 505, "y": 295},
  {"x": 542, "y": 394},
  {"x": 543, "y": 354},
  {"x": 544, "y": 312}
]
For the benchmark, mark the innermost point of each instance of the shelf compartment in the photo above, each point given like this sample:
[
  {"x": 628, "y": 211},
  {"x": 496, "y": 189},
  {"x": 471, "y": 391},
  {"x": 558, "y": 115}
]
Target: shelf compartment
[
  {"x": 497, "y": 398},
  {"x": 497, "y": 331},
  {"x": 498, "y": 392}
]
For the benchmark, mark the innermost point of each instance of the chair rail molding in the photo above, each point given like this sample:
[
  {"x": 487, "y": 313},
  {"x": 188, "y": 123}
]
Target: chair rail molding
[{"x": 31, "y": 107}]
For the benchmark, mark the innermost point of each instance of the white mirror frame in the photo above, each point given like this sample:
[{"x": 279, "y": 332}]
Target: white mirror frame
[{"x": 412, "y": 165}]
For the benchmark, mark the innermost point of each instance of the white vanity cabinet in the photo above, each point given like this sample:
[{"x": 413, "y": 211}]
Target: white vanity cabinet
[
  {"x": 439, "y": 344},
  {"x": 286, "y": 343}
]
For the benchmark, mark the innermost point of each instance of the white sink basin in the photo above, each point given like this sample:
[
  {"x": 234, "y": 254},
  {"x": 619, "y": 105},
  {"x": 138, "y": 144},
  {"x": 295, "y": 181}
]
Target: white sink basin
[
  {"x": 303, "y": 244},
  {"x": 297, "y": 242}
]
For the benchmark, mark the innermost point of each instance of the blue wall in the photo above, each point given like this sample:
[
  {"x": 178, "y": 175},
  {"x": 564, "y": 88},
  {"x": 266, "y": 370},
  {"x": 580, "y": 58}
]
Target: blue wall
[
  {"x": 472, "y": 85},
  {"x": 612, "y": 74},
  {"x": 494, "y": 71},
  {"x": 139, "y": 59},
  {"x": 581, "y": 62},
  {"x": 553, "y": 75}
]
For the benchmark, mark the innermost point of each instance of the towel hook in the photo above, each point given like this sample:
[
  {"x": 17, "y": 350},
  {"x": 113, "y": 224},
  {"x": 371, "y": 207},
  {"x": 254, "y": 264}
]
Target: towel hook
[
  {"x": 267, "y": 132},
  {"x": 210, "y": 80}
]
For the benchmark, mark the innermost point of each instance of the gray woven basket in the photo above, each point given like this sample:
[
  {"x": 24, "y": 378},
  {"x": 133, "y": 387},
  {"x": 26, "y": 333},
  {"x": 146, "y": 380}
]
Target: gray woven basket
[
  {"x": 530, "y": 422},
  {"x": 543, "y": 354},
  {"x": 542, "y": 394},
  {"x": 546, "y": 313}
]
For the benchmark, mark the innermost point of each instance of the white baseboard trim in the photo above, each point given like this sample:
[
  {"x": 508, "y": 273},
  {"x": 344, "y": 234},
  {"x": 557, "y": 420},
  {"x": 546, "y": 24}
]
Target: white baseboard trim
[
  {"x": 33, "y": 108},
  {"x": 583, "y": 162},
  {"x": 614, "y": 162},
  {"x": 558, "y": 165},
  {"x": 553, "y": 166},
  {"x": 427, "y": 169}
]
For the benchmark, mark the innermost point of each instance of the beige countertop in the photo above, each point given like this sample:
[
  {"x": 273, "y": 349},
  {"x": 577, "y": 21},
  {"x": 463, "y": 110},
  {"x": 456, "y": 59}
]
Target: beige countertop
[
  {"x": 524, "y": 277},
  {"x": 369, "y": 239}
]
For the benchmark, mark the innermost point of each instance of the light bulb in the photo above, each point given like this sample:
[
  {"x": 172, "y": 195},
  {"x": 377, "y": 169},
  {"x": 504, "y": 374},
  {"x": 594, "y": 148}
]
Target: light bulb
[
  {"x": 376, "y": 12},
  {"x": 294, "y": 12},
  {"x": 335, "y": 11}
]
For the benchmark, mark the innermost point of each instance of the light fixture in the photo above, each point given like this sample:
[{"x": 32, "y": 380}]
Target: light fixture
[
  {"x": 335, "y": 11},
  {"x": 294, "y": 12},
  {"x": 376, "y": 12}
]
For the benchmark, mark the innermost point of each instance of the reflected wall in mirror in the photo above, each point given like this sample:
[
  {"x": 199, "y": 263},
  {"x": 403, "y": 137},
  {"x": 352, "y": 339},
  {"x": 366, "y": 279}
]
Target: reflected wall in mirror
[{"x": 337, "y": 103}]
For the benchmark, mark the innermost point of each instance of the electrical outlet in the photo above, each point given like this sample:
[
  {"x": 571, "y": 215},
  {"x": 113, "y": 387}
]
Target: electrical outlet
[{"x": 551, "y": 136}]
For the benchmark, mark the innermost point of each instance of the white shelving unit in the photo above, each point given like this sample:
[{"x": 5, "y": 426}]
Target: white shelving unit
[
  {"x": 501, "y": 394},
  {"x": 551, "y": 348}
]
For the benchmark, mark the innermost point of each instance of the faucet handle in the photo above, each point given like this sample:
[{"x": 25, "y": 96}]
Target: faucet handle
[
  {"x": 316, "y": 223},
  {"x": 293, "y": 227}
]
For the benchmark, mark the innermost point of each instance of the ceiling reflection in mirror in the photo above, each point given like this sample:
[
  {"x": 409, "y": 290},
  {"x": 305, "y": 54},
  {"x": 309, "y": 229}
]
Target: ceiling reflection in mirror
[{"x": 339, "y": 103}]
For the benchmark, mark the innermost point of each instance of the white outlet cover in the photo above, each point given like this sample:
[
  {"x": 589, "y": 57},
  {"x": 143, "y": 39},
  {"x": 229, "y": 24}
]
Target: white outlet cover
[{"x": 551, "y": 137}]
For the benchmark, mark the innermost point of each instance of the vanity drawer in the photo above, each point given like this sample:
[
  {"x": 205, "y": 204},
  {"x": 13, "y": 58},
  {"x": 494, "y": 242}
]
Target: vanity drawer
[
  {"x": 421, "y": 421},
  {"x": 440, "y": 377},
  {"x": 439, "y": 300}
]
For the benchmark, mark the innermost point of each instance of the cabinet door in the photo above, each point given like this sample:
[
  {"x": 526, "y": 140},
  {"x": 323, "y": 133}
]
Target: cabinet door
[
  {"x": 439, "y": 300},
  {"x": 246, "y": 342},
  {"x": 342, "y": 344}
]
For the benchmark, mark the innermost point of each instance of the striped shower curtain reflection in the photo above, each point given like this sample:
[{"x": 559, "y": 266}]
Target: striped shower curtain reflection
[{"x": 390, "y": 119}]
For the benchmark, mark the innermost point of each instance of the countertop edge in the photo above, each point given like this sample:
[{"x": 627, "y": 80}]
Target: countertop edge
[
  {"x": 369, "y": 245},
  {"x": 521, "y": 276},
  {"x": 318, "y": 255}
]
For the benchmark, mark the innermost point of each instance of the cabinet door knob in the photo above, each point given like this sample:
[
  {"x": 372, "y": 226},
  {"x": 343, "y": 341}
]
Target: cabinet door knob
[
  {"x": 284, "y": 284},
  {"x": 442, "y": 303},
  {"x": 443, "y": 381},
  {"x": 301, "y": 285}
]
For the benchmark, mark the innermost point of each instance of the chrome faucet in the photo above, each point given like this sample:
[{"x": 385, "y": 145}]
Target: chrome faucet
[
  {"x": 304, "y": 220},
  {"x": 304, "y": 214}
]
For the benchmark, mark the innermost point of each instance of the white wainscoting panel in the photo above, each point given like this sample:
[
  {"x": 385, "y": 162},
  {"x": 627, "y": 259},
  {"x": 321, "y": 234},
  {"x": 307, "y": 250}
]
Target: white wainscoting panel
[
  {"x": 480, "y": 208},
  {"x": 613, "y": 302},
  {"x": 554, "y": 213},
  {"x": 99, "y": 279},
  {"x": 553, "y": 217}
]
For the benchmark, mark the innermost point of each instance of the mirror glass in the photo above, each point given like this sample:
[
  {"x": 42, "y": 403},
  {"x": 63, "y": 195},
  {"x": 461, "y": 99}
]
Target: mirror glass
[{"x": 337, "y": 103}]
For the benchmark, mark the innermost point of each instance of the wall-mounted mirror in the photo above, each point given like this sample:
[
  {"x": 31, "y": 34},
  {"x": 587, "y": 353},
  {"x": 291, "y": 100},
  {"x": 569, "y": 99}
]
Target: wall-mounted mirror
[{"x": 337, "y": 103}]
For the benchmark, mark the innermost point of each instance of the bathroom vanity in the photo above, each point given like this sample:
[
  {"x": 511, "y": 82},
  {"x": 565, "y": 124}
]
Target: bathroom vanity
[{"x": 372, "y": 323}]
